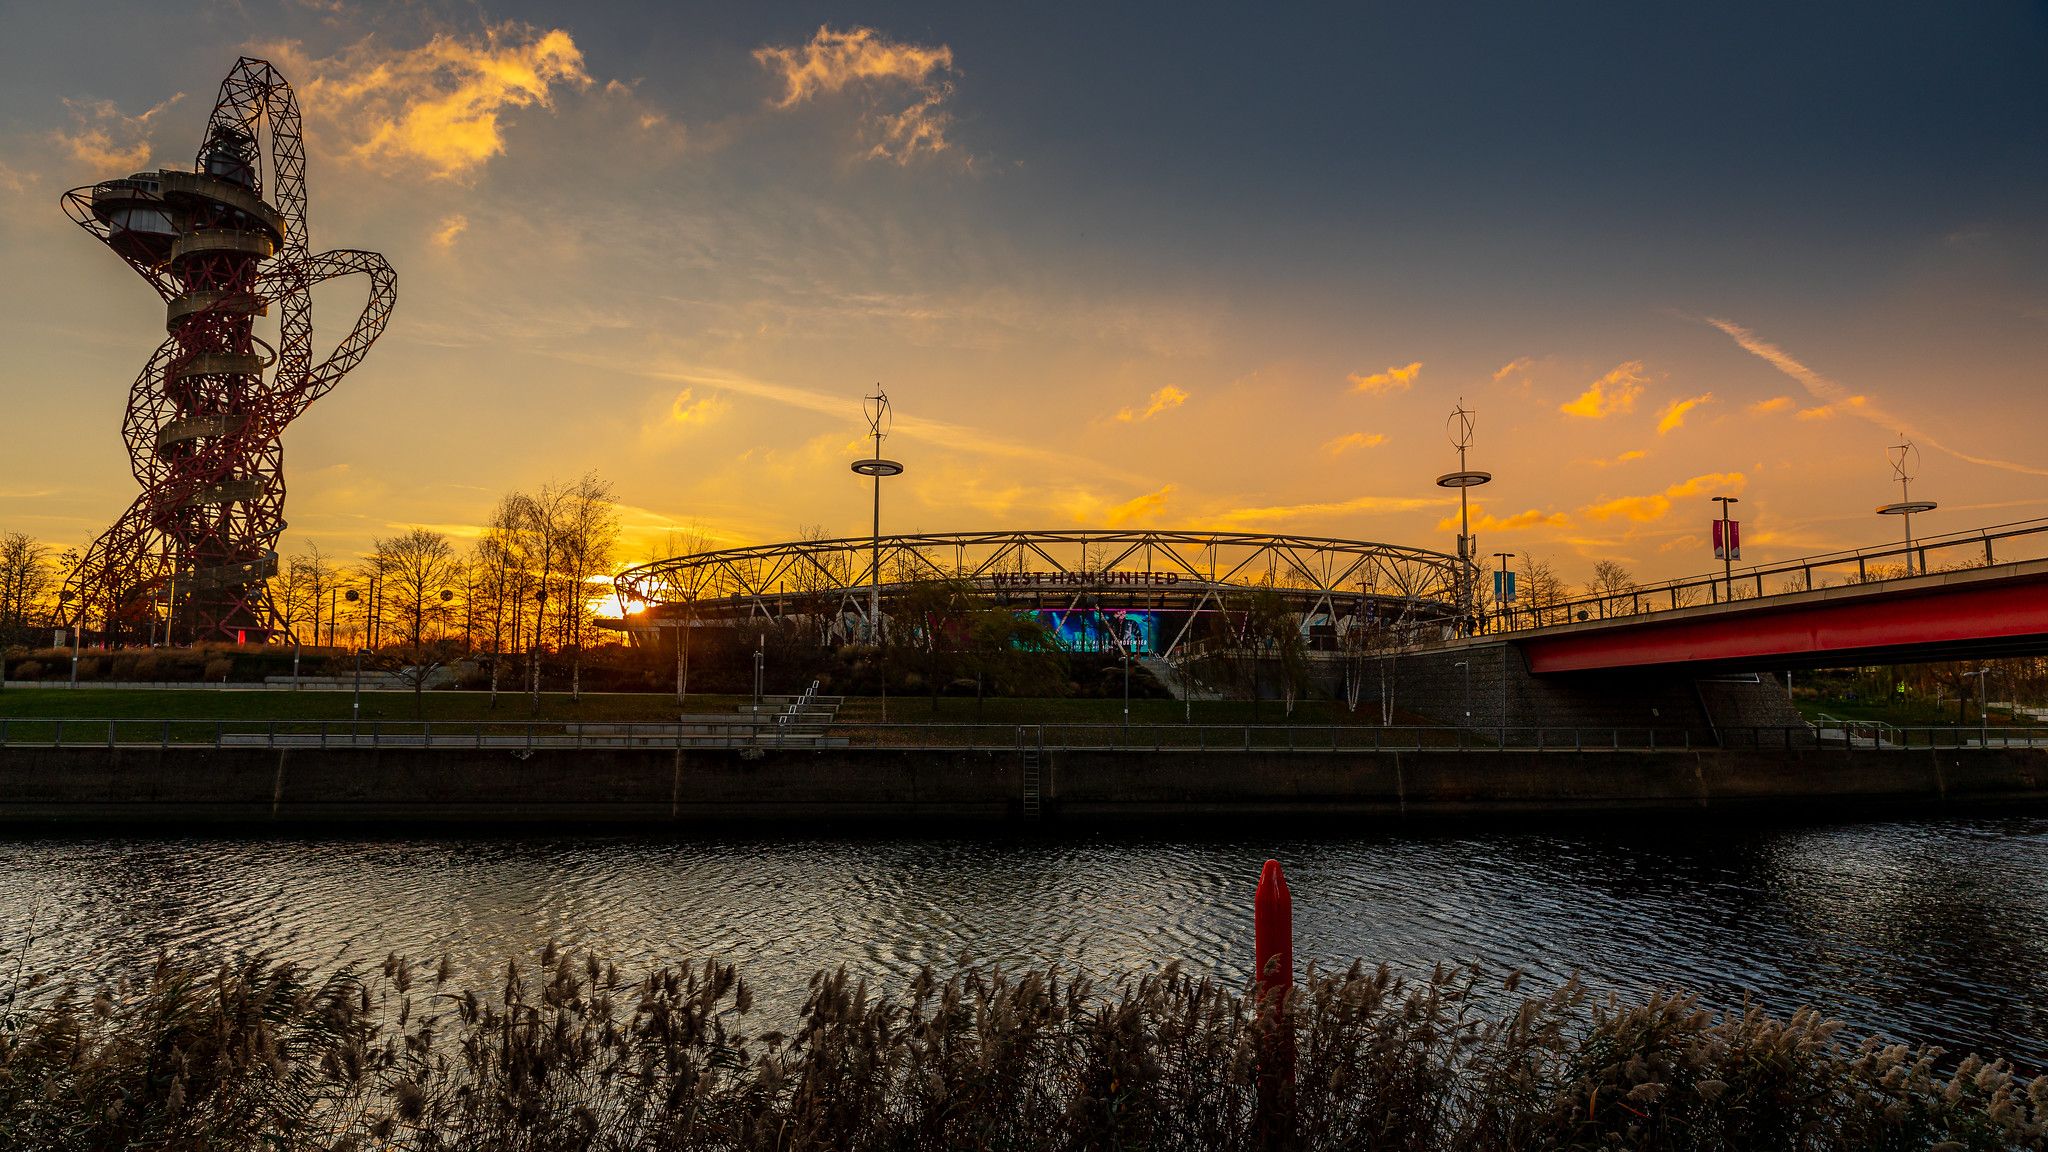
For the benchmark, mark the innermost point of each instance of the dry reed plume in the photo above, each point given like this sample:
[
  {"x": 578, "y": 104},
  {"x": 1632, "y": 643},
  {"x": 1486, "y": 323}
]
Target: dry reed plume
[{"x": 571, "y": 1055}]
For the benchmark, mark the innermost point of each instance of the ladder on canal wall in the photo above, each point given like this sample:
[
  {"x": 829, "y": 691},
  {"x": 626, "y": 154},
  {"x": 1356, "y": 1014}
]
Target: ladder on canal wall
[{"x": 1031, "y": 762}]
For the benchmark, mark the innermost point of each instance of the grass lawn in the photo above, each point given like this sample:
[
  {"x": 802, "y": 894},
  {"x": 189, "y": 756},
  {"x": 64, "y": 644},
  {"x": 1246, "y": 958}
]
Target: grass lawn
[
  {"x": 260, "y": 706},
  {"x": 1014, "y": 710},
  {"x": 1914, "y": 713},
  {"x": 252, "y": 710}
]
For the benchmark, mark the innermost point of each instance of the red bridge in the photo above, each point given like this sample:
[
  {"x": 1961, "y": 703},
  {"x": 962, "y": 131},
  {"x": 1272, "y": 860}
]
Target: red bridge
[{"x": 1995, "y": 609}]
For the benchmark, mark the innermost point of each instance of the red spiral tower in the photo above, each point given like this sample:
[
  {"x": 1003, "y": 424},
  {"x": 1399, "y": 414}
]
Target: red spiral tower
[{"x": 197, "y": 548}]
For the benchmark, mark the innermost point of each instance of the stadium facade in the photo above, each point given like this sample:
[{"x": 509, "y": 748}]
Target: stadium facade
[{"x": 1145, "y": 592}]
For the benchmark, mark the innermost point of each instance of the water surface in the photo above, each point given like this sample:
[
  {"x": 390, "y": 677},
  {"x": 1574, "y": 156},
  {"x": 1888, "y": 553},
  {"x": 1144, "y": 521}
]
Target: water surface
[{"x": 1921, "y": 931}]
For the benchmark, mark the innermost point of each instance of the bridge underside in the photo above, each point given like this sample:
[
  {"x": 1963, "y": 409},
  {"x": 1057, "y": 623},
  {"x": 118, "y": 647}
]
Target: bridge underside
[{"x": 1963, "y": 615}]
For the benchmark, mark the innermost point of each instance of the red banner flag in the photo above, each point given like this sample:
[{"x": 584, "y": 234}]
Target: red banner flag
[{"x": 1727, "y": 540}]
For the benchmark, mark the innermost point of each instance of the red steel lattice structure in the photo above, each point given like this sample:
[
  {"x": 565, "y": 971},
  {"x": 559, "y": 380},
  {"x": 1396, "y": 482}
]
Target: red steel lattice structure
[{"x": 206, "y": 416}]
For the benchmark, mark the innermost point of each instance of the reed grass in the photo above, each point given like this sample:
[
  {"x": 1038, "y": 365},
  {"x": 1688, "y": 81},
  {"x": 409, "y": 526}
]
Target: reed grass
[{"x": 568, "y": 1054}]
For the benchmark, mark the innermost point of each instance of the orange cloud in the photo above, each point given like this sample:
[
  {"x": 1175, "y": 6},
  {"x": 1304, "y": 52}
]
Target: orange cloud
[
  {"x": 1656, "y": 506},
  {"x": 1518, "y": 367},
  {"x": 108, "y": 142},
  {"x": 451, "y": 227},
  {"x": 1829, "y": 411},
  {"x": 1138, "y": 508},
  {"x": 1483, "y": 521},
  {"x": 1774, "y": 404},
  {"x": 687, "y": 411},
  {"x": 1347, "y": 442},
  {"x": 834, "y": 61},
  {"x": 438, "y": 107},
  {"x": 1163, "y": 400},
  {"x": 1628, "y": 457},
  {"x": 1674, "y": 414},
  {"x": 1392, "y": 380},
  {"x": 1614, "y": 392}
]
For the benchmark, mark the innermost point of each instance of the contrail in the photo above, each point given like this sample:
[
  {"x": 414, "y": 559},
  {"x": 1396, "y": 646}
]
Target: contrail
[{"x": 1830, "y": 393}]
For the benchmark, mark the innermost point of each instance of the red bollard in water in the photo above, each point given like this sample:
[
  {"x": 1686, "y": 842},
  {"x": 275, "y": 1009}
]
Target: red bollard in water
[
  {"x": 1273, "y": 933},
  {"x": 1273, "y": 948}
]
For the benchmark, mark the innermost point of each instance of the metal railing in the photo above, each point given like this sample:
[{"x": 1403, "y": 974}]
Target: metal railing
[
  {"x": 1977, "y": 548},
  {"x": 525, "y": 737}
]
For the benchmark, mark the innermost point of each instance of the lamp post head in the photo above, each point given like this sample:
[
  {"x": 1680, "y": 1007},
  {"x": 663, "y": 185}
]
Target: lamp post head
[{"x": 876, "y": 409}]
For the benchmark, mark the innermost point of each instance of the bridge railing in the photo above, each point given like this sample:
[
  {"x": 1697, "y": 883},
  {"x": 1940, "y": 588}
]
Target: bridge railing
[
  {"x": 520, "y": 739},
  {"x": 1976, "y": 548}
]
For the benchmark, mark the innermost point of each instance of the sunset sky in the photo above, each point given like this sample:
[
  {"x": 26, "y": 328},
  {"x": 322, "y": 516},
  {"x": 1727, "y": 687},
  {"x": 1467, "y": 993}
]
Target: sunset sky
[{"x": 1169, "y": 266}]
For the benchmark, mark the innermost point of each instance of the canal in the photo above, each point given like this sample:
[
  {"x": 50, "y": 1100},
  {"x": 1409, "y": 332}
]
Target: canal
[{"x": 1920, "y": 931}]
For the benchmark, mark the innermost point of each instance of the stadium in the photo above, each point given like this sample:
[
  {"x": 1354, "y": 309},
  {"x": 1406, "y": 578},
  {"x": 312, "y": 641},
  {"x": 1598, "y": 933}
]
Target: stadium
[{"x": 1141, "y": 592}]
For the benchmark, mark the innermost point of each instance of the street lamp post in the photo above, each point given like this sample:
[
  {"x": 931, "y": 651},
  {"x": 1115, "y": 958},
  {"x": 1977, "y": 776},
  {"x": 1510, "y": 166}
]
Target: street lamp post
[
  {"x": 876, "y": 409},
  {"x": 1907, "y": 457},
  {"x": 65, "y": 597},
  {"x": 540, "y": 600},
  {"x": 1460, "y": 428},
  {"x": 1506, "y": 591},
  {"x": 760, "y": 660},
  {"x": 1124, "y": 647},
  {"x": 1727, "y": 543},
  {"x": 1983, "y": 717}
]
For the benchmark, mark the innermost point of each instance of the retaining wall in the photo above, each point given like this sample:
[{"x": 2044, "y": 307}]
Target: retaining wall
[{"x": 945, "y": 790}]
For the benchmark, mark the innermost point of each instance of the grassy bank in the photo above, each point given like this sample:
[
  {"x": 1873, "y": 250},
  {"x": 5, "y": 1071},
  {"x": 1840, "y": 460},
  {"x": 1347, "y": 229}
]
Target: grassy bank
[
  {"x": 571, "y": 1054},
  {"x": 258, "y": 707}
]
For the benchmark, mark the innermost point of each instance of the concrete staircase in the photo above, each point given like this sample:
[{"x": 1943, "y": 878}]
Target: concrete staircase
[
  {"x": 775, "y": 721},
  {"x": 1169, "y": 676}
]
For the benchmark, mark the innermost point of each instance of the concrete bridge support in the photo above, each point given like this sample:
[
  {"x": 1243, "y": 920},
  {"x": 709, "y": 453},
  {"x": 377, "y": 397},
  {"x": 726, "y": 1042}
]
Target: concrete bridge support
[{"x": 1495, "y": 688}]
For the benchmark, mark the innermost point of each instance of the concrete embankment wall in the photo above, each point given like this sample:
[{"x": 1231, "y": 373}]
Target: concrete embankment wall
[{"x": 174, "y": 789}]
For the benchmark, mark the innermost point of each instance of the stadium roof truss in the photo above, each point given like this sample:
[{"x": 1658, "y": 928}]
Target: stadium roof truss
[{"x": 1059, "y": 571}]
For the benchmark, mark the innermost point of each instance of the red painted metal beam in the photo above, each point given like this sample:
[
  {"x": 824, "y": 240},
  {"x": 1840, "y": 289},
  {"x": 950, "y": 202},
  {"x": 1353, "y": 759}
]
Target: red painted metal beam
[{"x": 1941, "y": 617}]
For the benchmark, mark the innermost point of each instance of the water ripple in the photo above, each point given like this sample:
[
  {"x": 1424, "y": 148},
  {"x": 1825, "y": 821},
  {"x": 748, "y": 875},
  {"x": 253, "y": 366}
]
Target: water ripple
[{"x": 1933, "y": 931}]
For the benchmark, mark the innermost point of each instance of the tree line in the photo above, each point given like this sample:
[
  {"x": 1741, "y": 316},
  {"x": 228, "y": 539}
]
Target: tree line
[{"x": 526, "y": 585}]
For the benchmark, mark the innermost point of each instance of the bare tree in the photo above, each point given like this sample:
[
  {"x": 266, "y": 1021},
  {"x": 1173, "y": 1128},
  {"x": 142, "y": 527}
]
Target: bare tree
[
  {"x": 1611, "y": 578},
  {"x": 1542, "y": 588},
  {"x": 27, "y": 582},
  {"x": 539, "y": 537},
  {"x": 682, "y": 587},
  {"x": 1614, "y": 583},
  {"x": 587, "y": 524},
  {"x": 818, "y": 582},
  {"x": 498, "y": 568},
  {"x": 303, "y": 589},
  {"x": 417, "y": 566}
]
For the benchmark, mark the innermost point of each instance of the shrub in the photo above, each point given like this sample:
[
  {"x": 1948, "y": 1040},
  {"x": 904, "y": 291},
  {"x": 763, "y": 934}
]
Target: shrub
[
  {"x": 28, "y": 670},
  {"x": 218, "y": 668},
  {"x": 571, "y": 1054}
]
